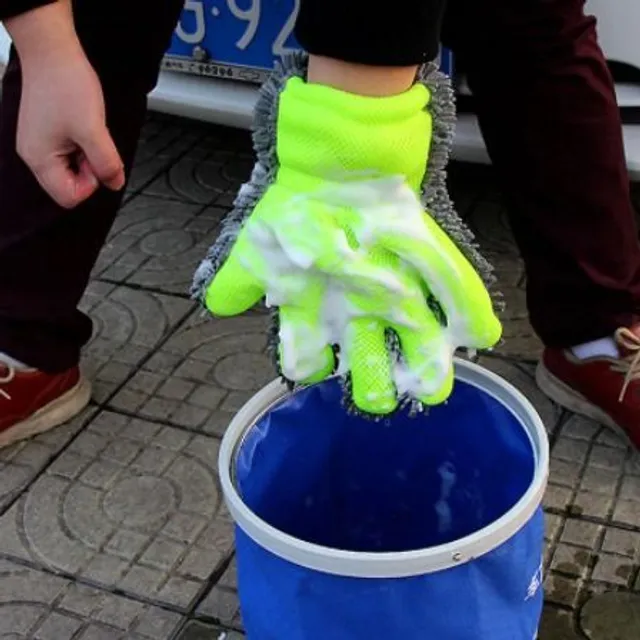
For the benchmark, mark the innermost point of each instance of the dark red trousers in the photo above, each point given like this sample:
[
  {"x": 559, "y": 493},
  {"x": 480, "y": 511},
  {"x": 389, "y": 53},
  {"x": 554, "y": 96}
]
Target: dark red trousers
[{"x": 548, "y": 115}]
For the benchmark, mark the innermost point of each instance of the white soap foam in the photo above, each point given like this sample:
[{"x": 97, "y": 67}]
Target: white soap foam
[{"x": 287, "y": 265}]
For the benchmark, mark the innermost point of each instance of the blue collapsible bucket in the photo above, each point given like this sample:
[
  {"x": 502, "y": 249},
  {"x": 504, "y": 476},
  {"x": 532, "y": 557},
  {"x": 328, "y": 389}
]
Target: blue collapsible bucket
[{"x": 421, "y": 528}]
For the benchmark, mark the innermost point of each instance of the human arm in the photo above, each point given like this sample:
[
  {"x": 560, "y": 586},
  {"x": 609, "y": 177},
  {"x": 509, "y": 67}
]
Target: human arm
[{"x": 62, "y": 134}]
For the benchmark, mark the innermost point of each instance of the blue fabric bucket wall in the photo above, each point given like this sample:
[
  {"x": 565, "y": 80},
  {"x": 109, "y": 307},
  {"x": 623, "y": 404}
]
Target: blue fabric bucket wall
[{"x": 420, "y": 528}]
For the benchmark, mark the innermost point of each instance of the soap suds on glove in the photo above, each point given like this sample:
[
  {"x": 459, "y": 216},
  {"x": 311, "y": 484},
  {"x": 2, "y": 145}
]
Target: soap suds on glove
[{"x": 385, "y": 207}]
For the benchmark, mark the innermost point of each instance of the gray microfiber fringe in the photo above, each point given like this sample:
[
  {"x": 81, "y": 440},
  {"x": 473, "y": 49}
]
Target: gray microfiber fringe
[
  {"x": 435, "y": 195},
  {"x": 264, "y": 143}
]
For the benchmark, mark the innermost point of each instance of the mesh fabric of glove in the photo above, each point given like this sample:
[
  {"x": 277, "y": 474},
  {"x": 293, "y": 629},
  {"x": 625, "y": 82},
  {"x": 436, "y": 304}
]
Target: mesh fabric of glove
[{"x": 338, "y": 241}]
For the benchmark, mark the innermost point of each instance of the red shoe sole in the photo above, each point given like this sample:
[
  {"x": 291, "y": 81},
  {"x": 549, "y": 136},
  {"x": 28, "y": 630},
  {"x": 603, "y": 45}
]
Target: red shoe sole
[{"x": 56, "y": 413}]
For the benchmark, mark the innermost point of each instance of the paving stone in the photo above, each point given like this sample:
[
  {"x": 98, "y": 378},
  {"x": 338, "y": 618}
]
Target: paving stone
[
  {"x": 630, "y": 489},
  {"x": 146, "y": 531},
  {"x": 611, "y": 616},
  {"x": 582, "y": 534},
  {"x": 21, "y": 463},
  {"x": 563, "y": 590},
  {"x": 522, "y": 378},
  {"x": 221, "y": 145},
  {"x": 579, "y": 428},
  {"x": 558, "y": 498},
  {"x": 157, "y": 244},
  {"x": 128, "y": 325},
  {"x": 593, "y": 505},
  {"x": 201, "y": 631},
  {"x": 627, "y": 512},
  {"x": 565, "y": 473},
  {"x": 518, "y": 338},
  {"x": 588, "y": 472},
  {"x": 47, "y": 607},
  {"x": 158, "y": 152},
  {"x": 465, "y": 189},
  {"x": 607, "y": 457},
  {"x": 153, "y": 124},
  {"x": 203, "y": 374},
  {"x": 622, "y": 542},
  {"x": 613, "y": 569},
  {"x": 554, "y": 526},
  {"x": 221, "y": 603},
  {"x": 203, "y": 180},
  {"x": 571, "y": 450},
  {"x": 557, "y": 625},
  {"x": 488, "y": 220},
  {"x": 571, "y": 561}
]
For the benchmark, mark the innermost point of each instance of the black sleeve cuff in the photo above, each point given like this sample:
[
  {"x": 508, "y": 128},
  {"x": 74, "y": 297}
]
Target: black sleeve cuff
[
  {"x": 357, "y": 31},
  {"x": 11, "y": 8}
]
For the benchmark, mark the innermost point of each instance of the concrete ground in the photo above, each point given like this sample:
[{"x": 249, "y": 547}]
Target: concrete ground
[{"x": 113, "y": 526}]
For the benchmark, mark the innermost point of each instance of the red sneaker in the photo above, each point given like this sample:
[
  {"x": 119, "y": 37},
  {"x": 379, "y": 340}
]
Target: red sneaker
[
  {"x": 604, "y": 389},
  {"x": 32, "y": 402}
]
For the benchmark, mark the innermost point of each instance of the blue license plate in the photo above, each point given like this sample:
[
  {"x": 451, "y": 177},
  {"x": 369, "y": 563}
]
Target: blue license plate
[{"x": 235, "y": 39}]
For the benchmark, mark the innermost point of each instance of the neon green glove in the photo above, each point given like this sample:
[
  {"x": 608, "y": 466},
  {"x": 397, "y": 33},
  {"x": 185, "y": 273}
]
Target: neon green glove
[{"x": 341, "y": 245}]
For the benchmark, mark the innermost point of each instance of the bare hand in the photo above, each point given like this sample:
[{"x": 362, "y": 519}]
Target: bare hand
[{"x": 62, "y": 134}]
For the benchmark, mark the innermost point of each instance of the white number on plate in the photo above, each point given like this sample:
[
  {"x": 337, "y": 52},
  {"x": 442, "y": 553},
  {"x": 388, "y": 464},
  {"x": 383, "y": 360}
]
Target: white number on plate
[
  {"x": 279, "y": 48},
  {"x": 197, "y": 8},
  {"x": 251, "y": 16}
]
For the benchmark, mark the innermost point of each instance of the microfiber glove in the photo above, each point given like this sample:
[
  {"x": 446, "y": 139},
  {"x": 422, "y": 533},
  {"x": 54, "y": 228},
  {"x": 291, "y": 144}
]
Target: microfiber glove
[{"x": 339, "y": 242}]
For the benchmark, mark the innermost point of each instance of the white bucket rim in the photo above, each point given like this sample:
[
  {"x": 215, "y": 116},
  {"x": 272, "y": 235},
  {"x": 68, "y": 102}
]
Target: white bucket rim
[{"x": 389, "y": 564}]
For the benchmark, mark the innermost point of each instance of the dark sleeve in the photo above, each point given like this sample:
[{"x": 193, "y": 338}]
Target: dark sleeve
[
  {"x": 11, "y": 8},
  {"x": 403, "y": 33}
]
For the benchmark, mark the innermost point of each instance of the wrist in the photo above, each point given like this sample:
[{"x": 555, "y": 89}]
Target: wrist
[
  {"x": 337, "y": 136},
  {"x": 360, "y": 79}
]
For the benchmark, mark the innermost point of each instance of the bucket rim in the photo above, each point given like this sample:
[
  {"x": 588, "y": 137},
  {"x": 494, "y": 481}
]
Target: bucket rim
[{"x": 358, "y": 564}]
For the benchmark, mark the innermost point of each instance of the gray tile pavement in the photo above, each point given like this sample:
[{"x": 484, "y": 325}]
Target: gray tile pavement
[
  {"x": 113, "y": 526},
  {"x": 129, "y": 505},
  {"x": 35, "y": 604},
  {"x": 129, "y": 324}
]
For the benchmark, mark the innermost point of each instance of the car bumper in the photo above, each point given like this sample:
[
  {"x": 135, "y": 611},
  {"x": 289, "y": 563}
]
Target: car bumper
[{"x": 231, "y": 104}]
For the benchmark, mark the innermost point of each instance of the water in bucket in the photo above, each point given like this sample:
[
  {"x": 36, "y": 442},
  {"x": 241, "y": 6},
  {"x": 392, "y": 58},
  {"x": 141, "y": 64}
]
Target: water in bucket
[{"x": 424, "y": 527}]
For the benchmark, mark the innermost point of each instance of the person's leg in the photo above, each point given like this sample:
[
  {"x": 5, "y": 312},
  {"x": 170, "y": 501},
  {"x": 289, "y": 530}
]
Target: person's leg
[
  {"x": 548, "y": 113},
  {"x": 46, "y": 252}
]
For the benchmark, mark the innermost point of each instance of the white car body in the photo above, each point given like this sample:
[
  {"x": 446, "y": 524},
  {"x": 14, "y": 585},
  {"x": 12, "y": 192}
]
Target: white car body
[{"x": 230, "y": 102}]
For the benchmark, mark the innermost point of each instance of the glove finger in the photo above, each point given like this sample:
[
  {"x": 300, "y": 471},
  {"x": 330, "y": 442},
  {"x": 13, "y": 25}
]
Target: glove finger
[
  {"x": 454, "y": 282},
  {"x": 427, "y": 371},
  {"x": 234, "y": 289},
  {"x": 304, "y": 350},
  {"x": 373, "y": 390},
  {"x": 429, "y": 367},
  {"x": 255, "y": 267}
]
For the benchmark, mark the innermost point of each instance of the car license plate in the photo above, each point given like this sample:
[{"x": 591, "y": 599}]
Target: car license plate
[{"x": 235, "y": 39}]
